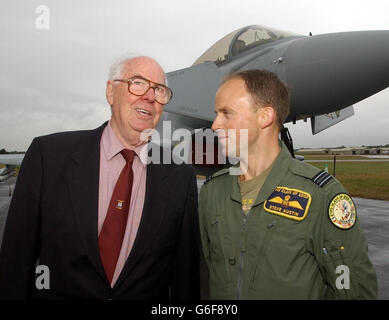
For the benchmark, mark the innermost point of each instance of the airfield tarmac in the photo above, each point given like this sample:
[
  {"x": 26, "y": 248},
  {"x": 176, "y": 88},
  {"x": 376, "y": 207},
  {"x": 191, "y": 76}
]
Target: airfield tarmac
[{"x": 373, "y": 215}]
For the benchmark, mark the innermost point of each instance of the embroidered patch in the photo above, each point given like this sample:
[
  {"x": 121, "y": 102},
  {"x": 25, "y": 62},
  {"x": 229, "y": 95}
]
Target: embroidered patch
[
  {"x": 247, "y": 204},
  {"x": 289, "y": 203},
  {"x": 342, "y": 212}
]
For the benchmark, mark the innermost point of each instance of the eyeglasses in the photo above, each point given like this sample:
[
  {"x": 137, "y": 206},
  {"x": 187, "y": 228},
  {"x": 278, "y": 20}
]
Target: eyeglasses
[{"x": 138, "y": 86}]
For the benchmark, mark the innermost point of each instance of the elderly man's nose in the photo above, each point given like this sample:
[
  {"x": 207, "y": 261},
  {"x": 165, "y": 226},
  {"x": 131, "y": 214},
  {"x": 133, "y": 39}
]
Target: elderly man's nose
[{"x": 149, "y": 95}]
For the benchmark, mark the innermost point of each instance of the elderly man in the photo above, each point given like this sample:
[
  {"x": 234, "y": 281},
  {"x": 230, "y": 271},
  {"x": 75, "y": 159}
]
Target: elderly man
[
  {"x": 282, "y": 229},
  {"x": 90, "y": 212}
]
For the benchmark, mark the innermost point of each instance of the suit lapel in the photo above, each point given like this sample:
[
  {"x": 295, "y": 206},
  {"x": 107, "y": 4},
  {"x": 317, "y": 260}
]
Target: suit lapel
[
  {"x": 83, "y": 182},
  {"x": 154, "y": 210}
]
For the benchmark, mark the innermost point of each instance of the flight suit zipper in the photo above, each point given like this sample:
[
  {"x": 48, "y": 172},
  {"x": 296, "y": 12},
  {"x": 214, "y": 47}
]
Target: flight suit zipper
[{"x": 242, "y": 253}]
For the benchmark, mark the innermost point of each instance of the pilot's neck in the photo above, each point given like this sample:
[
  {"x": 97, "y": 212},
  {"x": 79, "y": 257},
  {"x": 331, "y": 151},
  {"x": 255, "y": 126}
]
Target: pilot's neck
[{"x": 260, "y": 157}]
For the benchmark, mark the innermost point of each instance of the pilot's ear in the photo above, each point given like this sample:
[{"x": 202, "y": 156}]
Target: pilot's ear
[
  {"x": 109, "y": 92},
  {"x": 267, "y": 116}
]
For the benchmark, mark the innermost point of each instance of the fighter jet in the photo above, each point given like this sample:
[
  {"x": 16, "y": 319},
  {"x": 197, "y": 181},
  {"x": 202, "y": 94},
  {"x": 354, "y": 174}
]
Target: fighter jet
[{"x": 326, "y": 74}]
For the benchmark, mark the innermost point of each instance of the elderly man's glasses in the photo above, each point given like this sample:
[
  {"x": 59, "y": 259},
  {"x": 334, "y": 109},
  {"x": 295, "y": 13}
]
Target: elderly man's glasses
[{"x": 138, "y": 86}]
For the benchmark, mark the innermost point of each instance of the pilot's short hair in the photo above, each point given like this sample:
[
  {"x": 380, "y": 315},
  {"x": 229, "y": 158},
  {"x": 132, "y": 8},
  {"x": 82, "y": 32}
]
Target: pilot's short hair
[{"x": 266, "y": 89}]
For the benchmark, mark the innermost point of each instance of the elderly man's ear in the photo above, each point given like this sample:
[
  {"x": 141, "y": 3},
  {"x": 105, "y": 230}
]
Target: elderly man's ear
[{"x": 109, "y": 92}]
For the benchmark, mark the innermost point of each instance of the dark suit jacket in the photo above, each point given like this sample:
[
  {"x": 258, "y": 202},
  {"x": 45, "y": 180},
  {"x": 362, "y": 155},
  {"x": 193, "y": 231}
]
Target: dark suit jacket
[{"x": 53, "y": 218}]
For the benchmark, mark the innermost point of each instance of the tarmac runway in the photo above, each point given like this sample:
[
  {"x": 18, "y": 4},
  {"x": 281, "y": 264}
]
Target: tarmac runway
[
  {"x": 374, "y": 218},
  {"x": 6, "y": 189},
  {"x": 373, "y": 215}
]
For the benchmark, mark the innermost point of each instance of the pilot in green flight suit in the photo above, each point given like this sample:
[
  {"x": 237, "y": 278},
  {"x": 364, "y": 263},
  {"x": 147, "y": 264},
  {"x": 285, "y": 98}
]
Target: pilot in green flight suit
[{"x": 282, "y": 229}]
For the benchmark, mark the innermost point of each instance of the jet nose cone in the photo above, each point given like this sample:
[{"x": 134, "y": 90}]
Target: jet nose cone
[{"x": 332, "y": 71}]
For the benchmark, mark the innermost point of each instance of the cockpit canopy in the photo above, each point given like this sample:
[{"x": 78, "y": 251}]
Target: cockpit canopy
[{"x": 241, "y": 40}]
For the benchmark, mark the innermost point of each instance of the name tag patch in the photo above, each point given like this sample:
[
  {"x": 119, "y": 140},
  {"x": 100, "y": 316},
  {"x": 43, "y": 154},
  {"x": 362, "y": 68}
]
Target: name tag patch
[{"x": 289, "y": 203}]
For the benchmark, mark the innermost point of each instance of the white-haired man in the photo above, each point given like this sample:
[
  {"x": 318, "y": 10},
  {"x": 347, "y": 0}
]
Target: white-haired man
[{"x": 103, "y": 222}]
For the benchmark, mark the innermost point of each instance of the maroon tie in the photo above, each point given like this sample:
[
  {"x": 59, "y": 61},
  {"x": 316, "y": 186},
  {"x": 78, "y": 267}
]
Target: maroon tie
[{"x": 112, "y": 232}]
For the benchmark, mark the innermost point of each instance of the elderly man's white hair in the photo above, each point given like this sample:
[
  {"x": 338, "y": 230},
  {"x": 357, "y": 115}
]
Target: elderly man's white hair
[{"x": 115, "y": 71}]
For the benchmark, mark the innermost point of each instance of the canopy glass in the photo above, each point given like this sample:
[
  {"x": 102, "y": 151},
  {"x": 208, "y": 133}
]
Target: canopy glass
[{"x": 241, "y": 40}]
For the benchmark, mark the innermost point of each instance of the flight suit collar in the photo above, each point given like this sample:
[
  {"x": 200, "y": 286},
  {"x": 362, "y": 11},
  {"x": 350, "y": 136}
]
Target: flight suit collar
[
  {"x": 235, "y": 191},
  {"x": 277, "y": 173}
]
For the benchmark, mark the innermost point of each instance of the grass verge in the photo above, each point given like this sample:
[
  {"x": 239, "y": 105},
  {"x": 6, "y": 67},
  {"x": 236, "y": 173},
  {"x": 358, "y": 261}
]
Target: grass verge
[{"x": 368, "y": 180}]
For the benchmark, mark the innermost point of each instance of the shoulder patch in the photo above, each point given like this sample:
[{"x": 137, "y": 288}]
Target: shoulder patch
[
  {"x": 342, "y": 211},
  {"x": 289, "y": 203},
  {"x": 216, "y": 174},
  {"x": 322, "y": 178}
]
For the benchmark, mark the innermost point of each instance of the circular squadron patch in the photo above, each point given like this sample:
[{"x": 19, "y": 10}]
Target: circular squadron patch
[{"x": 342, "y": 212}]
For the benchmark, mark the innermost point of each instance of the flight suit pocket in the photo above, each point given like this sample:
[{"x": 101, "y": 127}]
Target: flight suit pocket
[
  {"x": 217, "y": 248},
  {"x": 341, "y": 284},
  {"x": 215, "y": 238}
]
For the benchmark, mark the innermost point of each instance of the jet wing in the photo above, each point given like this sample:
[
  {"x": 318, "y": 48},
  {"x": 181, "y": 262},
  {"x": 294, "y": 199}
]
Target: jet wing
[
  {"x": 324, "y": 121},
  {"x": 194, "y": 91},
  {"x": 11, "y": 161}
]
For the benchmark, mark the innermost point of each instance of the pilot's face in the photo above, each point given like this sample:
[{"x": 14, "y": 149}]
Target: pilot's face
[
  {"x": 132, "y": 114},
  {"x": 235, "y": 109}
]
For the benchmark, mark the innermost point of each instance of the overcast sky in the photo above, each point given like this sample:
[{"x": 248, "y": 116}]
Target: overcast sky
[{"x": 54, "y": 80}]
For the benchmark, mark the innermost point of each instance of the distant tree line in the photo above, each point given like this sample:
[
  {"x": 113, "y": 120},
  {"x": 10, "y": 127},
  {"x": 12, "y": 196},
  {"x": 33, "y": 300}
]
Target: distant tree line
[
  {"x": 382, "y": 146},
  {"x": 3, "y": 151},
  {"x": 342, "y": 147}
]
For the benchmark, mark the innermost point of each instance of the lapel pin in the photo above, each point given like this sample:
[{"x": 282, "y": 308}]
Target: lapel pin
[{"x": 119, "y": 205}]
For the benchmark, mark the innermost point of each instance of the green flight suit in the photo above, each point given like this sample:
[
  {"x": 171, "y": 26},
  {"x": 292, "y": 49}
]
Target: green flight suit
[{"x": 299, "y": 254}]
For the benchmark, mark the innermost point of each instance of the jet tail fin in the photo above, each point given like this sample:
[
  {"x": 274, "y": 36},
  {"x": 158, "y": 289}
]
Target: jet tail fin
[
  {"x": 324, "y": 121},
  {"x": 194, "y": 91}
]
